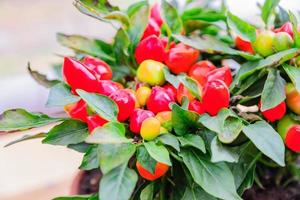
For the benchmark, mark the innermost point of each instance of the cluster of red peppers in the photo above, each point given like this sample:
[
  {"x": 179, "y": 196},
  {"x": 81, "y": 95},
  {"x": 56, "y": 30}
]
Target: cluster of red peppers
[
  {"x": 146, "y": 105},
  {"x": 266, "y": 43}
]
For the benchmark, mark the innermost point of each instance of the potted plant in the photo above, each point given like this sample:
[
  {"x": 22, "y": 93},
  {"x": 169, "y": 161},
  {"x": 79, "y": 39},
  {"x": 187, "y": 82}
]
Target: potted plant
[{"x": 187, "y": 102}]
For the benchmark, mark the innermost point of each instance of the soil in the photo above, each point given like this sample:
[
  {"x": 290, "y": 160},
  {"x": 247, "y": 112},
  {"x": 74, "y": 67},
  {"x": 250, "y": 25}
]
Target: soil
[{"x": 89, "y": 184}]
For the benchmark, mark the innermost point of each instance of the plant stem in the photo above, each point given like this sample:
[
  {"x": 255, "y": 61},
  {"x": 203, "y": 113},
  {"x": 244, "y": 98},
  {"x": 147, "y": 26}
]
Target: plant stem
[
  {"x": 163, "y": 189},
  {"x": 175, "y": 156}
]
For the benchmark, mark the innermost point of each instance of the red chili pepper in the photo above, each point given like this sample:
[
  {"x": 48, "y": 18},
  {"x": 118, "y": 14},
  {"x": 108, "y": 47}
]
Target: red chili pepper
[
  {"x": 159, "y": 100},
  {"x": 155, "y": 14},
  {"x": 171, "y": 90},
  {"x": 137, "y": 118},
  {"x": 95, "y": 121},
  {"x": 286, "y": 27},
  {"x": 215, "y": 97},
  {"x": 77, "y": 110},
  {"x": 160, "y": 170},
  {"x": 165, "y": 41},
  {"x": 275, "y": 113},
  {"x": 78, "y": 76},
  {"x": 200, "y": 70},
  {"x": 292, "y": 139},
  {"x": 223, "y": 74},
  {"x": 183, "y": 91},
  {"x": 151, "y": 29},
  {"x": 196, "y": 106},
  {"x": 107, "y": 87},
  {"x": 181, "y": 57},
  {"x": 99, "y": 68},
  {"x": 125, "y": 102},
  {"x": 150, "y": 48},
  {"x": 243, "y": 45}
]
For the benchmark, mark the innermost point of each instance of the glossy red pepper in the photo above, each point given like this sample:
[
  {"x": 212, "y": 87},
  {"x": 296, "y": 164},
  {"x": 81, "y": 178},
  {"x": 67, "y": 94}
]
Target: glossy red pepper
[
  {"x": 275, "y": 113},
  {"x": 78, "y": 76},
  {"x": 125, "y": 102},
  {"x": 183, "y": 91},
  {"x": 171, "y": 90},
  {"x": 99, "y": 68},
  {"x": 137, "y": 118},
  {"x": 215, "y": 97},
  {"x": 292, "y": 139},
  {"x": 286, "y": 27},
  {"x": 159, "y": 100},
  {"x": 95, "y": 121},
  {"x": 200, "y": 70},
  {"x": 196, "y": 106},
  {"x": 243, "y": 45},
  {"x": 223, "y": 74},
  {"x": 77, "y": 110},
  {"x": 107, "y": 87},
  {"x": 151, "y": 48},
  {"x": 160, "y": 170},
  {"x": 151, "y": 29},
  {"x": 181, "y": 57},
  {"x": 155, "y": 14},
  {"x": 165, "y": 41}
]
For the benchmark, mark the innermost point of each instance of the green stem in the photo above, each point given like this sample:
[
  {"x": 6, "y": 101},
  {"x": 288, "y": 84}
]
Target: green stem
[
  {"x": 163, "y": 189},
  {"x": 175, "y": 156}
]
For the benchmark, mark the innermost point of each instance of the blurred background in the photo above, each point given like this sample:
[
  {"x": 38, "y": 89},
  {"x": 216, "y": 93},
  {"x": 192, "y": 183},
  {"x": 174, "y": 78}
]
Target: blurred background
[{"x": 27, "y": 33}]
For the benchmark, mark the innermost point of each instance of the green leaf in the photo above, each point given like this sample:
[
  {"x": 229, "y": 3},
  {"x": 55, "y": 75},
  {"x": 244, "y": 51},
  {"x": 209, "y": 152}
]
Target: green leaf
[
  {"x": 226, "y": 124},
  {"x": 184, "y": 121},
  {"x": 215, "y": 178},
  {"x": 281, "y": 17},
  {"x": 90, "y": 159},
  {"x": 294, "y": 21},
  {"x": 191, "y": 85},
  {"x": 60, "y": 95},
  {"x": 20, "y": 119},
  {"x": 195, "y": 192},
  {"x": 294, "y": 74},
  {"x": 113, "y": 155},
  {"x": 26, "y": 137},
  {"x": 119, "y": 17},
  {"x": 80, "y": 147},
  {"x": 170, "y": 140},
  {"x": 274, "y": 90},
  {"x": 192, "y": 140},
  {"x": 147, "y": 192},
  {"x": 241, "y": 27},
  {"x": 249, "y": 68},
  {"x": 158, "y": 152},
  {"x": 109, "y": 133},
  {"x": 85, "y": 45},
  {"x": 101, "y": 104},
  {"x": 145, "y": 159},
  {"x": 41, "y": 78},
  {"x": 211, "y": 45},
  {"x": 79, "y": 197},
  {"x": 171, "y": 17},
  {"x": 69, "y": 132},
  {"x": 267, "y": 140},
  {"x": 138, "y": 22},
  {"x": 201, "y": 14},
  {"x": 267, "y": 9},
  {"x": 121, "y": 45},
  {"x": 118, "y": 184},
  {"x": 220, "y": 153},
  {"x": 171, "y": 78}
]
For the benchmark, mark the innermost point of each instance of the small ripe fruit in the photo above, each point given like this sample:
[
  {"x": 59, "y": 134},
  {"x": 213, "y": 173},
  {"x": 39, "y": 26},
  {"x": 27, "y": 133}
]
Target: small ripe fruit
[
  {"x": 150, "y": 128},
  {"x": 200, "y": 70},
  {"x": 160, "y": 170},
  {"x": 150, "y": 48},
  {"x": 77, "y": 110},
  {"x": 223, "y": 74},
  {"x": 292, "y": 139},
  {"x": 215, "y": 97},
  {"x": 292, "y": 98},
  {"x": 142, "y": 95},
  {"x": 99, "y": 68},
  {"x": 151, "y": 72},
  {"x": 264, "y": 43},
  {"x": 137, "y": 118},
  {"x": 151, "y": 29},
  {"x": 184, "y": 92},
  {"x": 282, "y": 41},
  {"x": 94, "y": 121},
  {"x": 275, "y": 113},
  {"x": 171, "y": 90},
  {"x": 243, "y": 45},
  {"x": 287, "y": 28},
  {"x": 159, "y": 100},
  {"x": 125, "y": 103},
  {"x": 107, "y": 87},
  {"x": 165, "y": 119},
  {"x": 196, "y": 106}
]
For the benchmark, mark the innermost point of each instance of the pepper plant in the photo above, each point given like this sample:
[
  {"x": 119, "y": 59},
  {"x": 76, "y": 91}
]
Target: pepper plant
[{"x": 183, "y": 104}]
